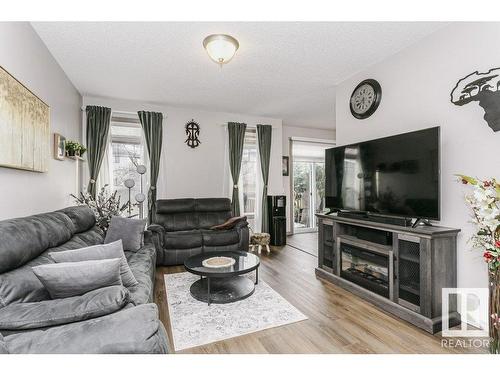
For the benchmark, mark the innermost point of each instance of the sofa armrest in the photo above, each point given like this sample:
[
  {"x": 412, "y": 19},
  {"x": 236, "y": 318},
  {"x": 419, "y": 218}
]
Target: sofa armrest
[
  {"x": 30, "y": 315},
  {"x": 243, "y": 233},
  {"x": 157, "y": 235}
]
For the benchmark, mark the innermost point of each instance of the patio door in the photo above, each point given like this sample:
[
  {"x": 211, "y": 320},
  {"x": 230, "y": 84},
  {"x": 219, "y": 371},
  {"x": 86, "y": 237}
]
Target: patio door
[{"x": 308, "y": 184}]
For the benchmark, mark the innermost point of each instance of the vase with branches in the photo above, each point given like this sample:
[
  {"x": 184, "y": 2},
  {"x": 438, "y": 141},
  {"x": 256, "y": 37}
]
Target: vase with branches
[
  {"x": 484, "y": 202},
  {"x": 104, "y": 206}
]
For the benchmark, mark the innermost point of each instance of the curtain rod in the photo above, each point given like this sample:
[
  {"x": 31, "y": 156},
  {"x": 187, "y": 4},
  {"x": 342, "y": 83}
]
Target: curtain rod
[{"x": 123, "y": 112}]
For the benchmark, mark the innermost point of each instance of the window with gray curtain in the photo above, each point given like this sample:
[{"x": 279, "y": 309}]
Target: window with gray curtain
[
  {"x": 98, "y": 119},
  {"x": 152, "y": 124},
  {"x": 264, "y": 134},
  {"x": 236, "y": 132}
]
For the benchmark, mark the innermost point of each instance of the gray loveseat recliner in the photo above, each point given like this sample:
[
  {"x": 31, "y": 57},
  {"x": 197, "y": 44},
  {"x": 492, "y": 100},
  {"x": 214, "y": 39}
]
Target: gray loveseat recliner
[
  {"x": 107, "y": 320},
  {"x": 183, "y": 228}
]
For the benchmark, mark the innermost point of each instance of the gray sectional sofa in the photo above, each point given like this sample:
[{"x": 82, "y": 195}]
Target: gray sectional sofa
[
  {"x": 184, "y": 229},
  {"x": 107, "y": 320}
]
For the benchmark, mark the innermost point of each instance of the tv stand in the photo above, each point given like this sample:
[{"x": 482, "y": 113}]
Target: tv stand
[
  {"x": 421, "y": 222},
  {"x": 401, "y": 270}
]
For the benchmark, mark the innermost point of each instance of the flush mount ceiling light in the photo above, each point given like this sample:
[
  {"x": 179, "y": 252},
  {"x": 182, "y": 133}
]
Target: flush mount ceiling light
[{"x": 221, "y": 47}]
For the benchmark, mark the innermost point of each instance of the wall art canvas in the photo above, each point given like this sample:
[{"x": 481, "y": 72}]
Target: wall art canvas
[
  {"x": 24, "y": 127},
  {"x": 484, "y": 89}
]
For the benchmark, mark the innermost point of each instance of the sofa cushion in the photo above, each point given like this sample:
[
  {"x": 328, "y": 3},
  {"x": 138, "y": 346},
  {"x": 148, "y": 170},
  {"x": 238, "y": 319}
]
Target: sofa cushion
[
  {"x": 130, "y": 231},
  {"x": 219, "y": 237},
  {"x": 96, "y": 252},
  {"x": 82, "y": 218},
  {"x": 175, "y": 206},
  {"x": 212, "y": 211},
  {"x": 72, "y": 279},
  {"x": 26, "y": 238},
  {"x": 48, "y": 313},
  {"x": 142, "y": 263},
  {"x": 132, "y": 330},
  {"x": 183, "y": 239}
]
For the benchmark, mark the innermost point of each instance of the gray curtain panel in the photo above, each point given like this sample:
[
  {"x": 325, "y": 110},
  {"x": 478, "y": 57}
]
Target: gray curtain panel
[
  {"x": 236, "y": 139},
  {"x": 98, "y": 119},
  {"x": 153, "y": 130},
  {"x": 264, "y": 133}
]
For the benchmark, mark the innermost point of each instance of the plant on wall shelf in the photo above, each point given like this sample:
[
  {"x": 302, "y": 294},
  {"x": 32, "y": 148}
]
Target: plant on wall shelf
[
  {"x": 104, "y": 206},
  {"x": 485, "y": 204},
  {"x": 74, "y": 148}
]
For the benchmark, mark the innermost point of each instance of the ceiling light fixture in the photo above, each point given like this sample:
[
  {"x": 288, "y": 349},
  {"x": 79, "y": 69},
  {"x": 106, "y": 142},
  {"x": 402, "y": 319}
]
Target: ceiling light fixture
[{"x": 221, "y": 47}]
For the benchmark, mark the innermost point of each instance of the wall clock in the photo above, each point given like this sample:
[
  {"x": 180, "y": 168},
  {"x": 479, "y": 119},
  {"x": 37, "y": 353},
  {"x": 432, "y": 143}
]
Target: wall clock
[{"x": 365, "y": 99}]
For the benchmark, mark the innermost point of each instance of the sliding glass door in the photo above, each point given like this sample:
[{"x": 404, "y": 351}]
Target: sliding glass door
[
  {"x": 308, "y": 184},
  {"x": 308, "y": 194}
]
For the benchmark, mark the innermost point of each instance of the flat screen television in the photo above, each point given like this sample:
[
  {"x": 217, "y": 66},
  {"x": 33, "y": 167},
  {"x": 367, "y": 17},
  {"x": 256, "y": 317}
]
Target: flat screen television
[{"x": 392, "y": 176}]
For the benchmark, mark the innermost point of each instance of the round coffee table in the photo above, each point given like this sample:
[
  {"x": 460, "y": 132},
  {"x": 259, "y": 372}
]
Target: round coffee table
[{"x": 223, "y": 285}]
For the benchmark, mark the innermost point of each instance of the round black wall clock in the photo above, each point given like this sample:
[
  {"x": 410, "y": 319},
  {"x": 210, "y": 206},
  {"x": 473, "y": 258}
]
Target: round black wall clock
[{"x": 365, "y": 99}]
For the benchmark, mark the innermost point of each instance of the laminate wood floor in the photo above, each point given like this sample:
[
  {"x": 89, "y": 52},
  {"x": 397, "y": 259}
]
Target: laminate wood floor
[
  {"x": 339, "y": 322},
  {"x": 307, "y": 242}
]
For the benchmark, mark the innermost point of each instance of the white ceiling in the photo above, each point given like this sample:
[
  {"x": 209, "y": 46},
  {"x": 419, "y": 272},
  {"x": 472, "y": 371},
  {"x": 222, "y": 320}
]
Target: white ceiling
[{"x": 282, "y": 70}]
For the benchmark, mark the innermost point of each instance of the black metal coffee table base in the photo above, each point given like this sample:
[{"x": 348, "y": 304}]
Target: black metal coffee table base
[{"x": 222, "y": 290}]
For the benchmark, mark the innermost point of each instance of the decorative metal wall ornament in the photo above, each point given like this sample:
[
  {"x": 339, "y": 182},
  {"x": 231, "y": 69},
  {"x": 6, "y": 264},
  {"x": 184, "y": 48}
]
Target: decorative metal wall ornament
[
  {"x": 483, "y": 88},
  {"x": 192, "y": 131}
]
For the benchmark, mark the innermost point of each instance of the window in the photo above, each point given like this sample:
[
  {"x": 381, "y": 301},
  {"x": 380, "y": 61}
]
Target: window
[
  {"x": 126, "y": 151},
  {"x": 249, "y": 175}
]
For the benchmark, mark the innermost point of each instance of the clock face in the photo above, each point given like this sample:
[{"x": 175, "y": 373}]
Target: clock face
[
  {"x": 365, "y": 99},
  {"x": 362, "y": 98}
]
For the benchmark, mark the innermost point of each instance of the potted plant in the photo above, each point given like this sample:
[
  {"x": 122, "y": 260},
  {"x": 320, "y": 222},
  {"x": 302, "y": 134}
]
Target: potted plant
[
  {"x": 72, "y": 148},
  {"x": 82, "y": 149},
  {"x": 485, "y": 204}
]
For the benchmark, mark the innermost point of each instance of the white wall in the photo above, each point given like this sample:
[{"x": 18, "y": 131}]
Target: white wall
[
  {"x": 294, "y": 131},
  {"x": 416, "y": 85},
  {"x": 24, "y": 55},
  {"x": 199, "y": 172}
]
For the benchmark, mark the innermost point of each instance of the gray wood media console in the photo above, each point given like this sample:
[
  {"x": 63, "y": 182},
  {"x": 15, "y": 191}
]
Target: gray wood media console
[{"x": 402, "y": 270}]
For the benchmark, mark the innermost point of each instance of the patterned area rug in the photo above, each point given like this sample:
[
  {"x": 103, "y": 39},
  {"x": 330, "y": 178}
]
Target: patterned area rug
[{"x": 194, "y": 323}]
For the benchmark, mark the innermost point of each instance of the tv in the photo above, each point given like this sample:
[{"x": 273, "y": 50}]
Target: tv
[{"x": 391, "y": 176}]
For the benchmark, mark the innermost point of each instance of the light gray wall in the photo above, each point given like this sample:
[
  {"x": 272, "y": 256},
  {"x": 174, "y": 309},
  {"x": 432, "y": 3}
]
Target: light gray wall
[
  {"x": 295, "y": 131},
  {"x": 416, "y": 85},
  {"x": 199, "y": 172},
  {"x": 24, "y": 55}
]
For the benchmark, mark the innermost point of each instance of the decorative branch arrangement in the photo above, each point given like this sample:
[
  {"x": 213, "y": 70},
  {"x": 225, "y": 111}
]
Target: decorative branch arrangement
[
  {"x": 485, "y": 204},
  {"x": 104, "y": 206}
]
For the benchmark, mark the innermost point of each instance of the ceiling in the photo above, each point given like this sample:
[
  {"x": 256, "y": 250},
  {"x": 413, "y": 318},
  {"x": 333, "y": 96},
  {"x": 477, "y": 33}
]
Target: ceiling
[{"x": 282, "y": 70}]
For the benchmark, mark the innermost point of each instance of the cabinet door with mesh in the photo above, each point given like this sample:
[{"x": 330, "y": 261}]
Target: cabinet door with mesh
[{"x": 409, "y": 271}]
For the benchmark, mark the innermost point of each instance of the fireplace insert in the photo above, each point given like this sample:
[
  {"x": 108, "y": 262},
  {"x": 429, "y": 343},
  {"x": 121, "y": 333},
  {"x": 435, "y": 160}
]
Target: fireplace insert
[{"x": 368, "y": 269}]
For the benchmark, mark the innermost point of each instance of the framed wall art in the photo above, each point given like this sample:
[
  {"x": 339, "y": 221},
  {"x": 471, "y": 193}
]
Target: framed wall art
[
  {"x": 285, "y": 166},
  {"x": 59, "y": 146},
  {"x": 24, "y": 127}
]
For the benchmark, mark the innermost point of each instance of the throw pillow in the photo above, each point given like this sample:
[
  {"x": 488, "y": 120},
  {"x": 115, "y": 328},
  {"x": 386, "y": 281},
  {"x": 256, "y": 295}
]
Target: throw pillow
[
  {"x": 105, "y": 251},
  {"x": 64, "y": 280},
  {"x": 230, "y": 223},
  {"x": 130, "y": 231}
]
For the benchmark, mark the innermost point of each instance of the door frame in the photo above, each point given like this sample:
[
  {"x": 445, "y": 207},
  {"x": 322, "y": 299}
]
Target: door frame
[{"x": 290, "y": 168}]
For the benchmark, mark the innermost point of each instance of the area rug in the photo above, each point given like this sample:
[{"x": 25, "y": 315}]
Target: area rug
[{"x": 194, "y": 323}]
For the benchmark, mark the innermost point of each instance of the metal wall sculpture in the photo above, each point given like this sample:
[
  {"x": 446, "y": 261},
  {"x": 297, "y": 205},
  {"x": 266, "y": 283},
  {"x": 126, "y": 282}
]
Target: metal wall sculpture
[
  {"x": 484, "y": 89},
  {"x": 192, "y": 131}
]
